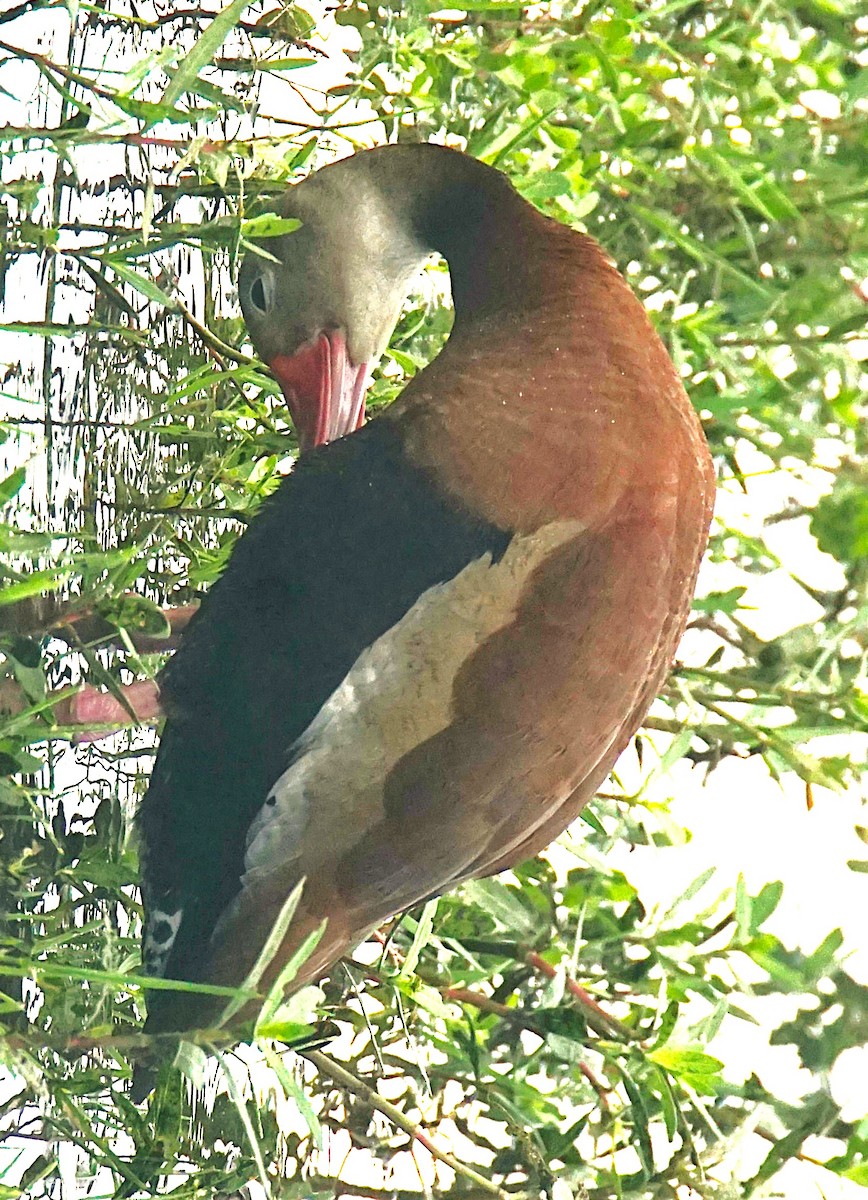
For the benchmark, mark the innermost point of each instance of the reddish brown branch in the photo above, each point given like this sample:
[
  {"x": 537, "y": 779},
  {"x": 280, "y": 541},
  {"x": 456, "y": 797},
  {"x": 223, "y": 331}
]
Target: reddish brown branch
[
  {"x": 596, "y": 1016},
  {"x": 515, "y": 1016}
]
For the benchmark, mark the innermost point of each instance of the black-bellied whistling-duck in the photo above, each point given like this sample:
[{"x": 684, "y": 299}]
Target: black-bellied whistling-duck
[{"x": 432, "y": 644}]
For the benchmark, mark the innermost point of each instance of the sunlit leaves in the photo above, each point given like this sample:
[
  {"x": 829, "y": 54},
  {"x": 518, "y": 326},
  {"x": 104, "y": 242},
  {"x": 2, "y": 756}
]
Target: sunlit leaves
[
  {"x": 840, "y": 522},
  {"x": 553, "y": 1018}
]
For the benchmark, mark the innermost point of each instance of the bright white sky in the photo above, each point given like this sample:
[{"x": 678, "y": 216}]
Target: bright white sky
[{"x": 740, "y": 820}]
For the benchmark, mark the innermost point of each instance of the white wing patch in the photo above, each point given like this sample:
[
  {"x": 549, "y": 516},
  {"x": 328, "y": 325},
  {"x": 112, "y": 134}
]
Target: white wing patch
[
  {"x": 397, "y": 695},
  {"x": 160, "y": 938}
]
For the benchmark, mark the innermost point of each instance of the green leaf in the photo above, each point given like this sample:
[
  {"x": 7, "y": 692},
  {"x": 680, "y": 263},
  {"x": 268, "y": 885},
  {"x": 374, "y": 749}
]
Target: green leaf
[
  {"x": 12, "y": 485},
  {"x": 488, "y": 6},
  {"x": 293, "y": 1017},
  {"x": 857, "y": 1174},
  {"x": 503, "y": 904},
  {"x": 641, "y": 1122},
  {"x": 669, "y": 1106},
  {"x": 694, "y": 1067},
  {"x": 285, "y": 64},
  {"x": 183, "y": 78},
  {"x": 725, "y": 602},
  {"x": 674, "y": 752},
  {"x": 137, "y": 614},
  {"x": 192, "y": 1061},
  {"x": 25, "y": 658},
  {"x": 295, "y": 1092},
  {"x": 691, "y": 890},
  {"x": 667, "y": 1024},
  {"x": 428, "y": 998},
  {"x": 268, "y": 225},
  {"x": 744, "y": 925},
  {"x": 547, "y": 187},
  {"x": 149, "y": 112},
  {"x": 14, "y": 758},
  {"x": 712, "y": 1023},
  {"x": 766, "y": 902},
  {"x": 571, "y": 1050},
  {"x": 840, "y": 522},
  {"x": 36, "y": 584},
  {"x": 141, "y": 283},
  {"x": 17, "y": 541},
  {"x": 273, "y": 942},
  {"x": 421, "y": 937}
]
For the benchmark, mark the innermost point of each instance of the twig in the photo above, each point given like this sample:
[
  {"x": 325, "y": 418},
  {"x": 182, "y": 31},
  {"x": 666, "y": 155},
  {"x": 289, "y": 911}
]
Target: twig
[
  {"x": 60, "y": 133},
  {"x": 517, "y": 1017},
  {"x": 219, "y": 349},
  {"x": 182, "y": 511},
  {"x": 597, "y": 1017},
  {"x": 345, "y": 1079},
  {"x": 485, "y": 1004}
]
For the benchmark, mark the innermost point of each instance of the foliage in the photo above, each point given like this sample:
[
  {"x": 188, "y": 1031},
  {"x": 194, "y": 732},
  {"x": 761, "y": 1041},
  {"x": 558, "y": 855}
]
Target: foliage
[{"x": 545, "y": 1026}]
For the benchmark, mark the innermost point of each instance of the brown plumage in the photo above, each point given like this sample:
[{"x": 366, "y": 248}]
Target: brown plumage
[{"x": 431, "y": 648}]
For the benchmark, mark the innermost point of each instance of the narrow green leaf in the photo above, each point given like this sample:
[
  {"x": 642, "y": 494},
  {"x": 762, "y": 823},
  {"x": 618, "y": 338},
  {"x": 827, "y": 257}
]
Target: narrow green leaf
[
  {"x": 250, "y": 986},
  {"x": 184, "y": 76},
  {"x": 268, "y": 225},
  {"x": 32, "y": 969},
  {"x": 12, "y": 485},
  {"x": 675, "y": 751},
  {"x": 284, "y": 64},
  {"x": 141, "y": 283},
  {"x": 502, "y": 904},
  {"x": 70, "y": 329},
  {"x": 743, "y": 909},
  {"x": 295, "y": 1092},
  {"x": 641, "y": 1122},
  {"x": 35, "y": 584},
  {"x": 691, "y": 890},
  {"x": 667, "y": 1024},
  {"x": 669, "y": 1106},
  {"x": 711, "y": 1025},
  {"x": 421, "y": 937},
  {"x": 274, "y": 999}
]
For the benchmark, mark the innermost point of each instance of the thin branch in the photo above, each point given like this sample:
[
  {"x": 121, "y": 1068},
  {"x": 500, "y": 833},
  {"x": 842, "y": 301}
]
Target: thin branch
[
  {"x": 514, "y": 1016},
  {"x": 345, "y": 1079},
  {"x": 597, "y": 1017},
  {"x": 213, "y": 344},
  {"x": 517, "y": 1017}
]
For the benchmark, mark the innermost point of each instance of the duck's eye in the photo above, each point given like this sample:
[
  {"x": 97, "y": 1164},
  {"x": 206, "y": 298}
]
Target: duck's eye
[{"x": 261, "y": 294}]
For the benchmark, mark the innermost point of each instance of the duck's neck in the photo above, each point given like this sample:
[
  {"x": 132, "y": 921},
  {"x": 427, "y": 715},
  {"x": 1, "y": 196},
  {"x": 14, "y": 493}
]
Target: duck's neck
[
  {"x": 469, "y": 213},
  {"x": 554, "y": 398}
]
